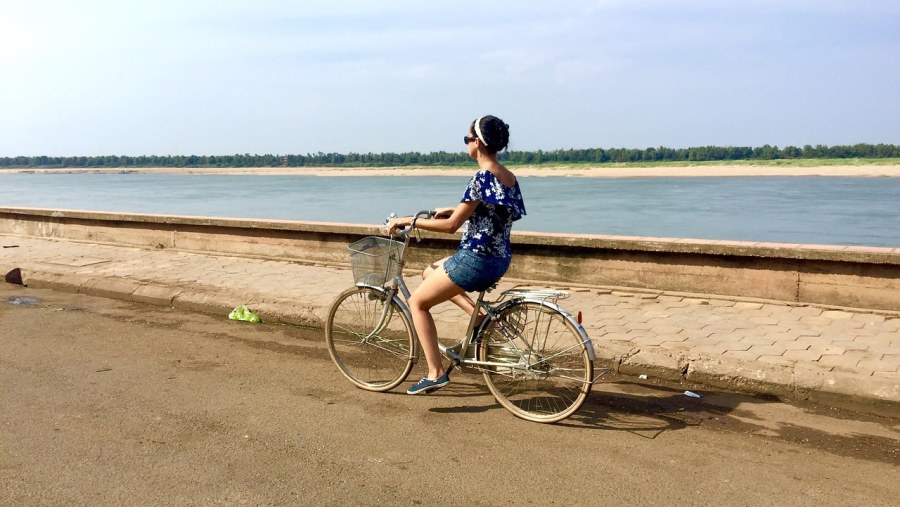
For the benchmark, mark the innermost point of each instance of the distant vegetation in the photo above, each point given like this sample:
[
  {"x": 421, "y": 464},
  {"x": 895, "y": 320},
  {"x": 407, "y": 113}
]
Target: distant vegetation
[{"x": 661, "y": 155}]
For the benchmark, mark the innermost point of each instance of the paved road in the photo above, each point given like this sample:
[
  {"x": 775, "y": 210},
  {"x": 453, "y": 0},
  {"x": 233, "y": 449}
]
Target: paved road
[
  {"x": 114, "y": 403},
  {"x": 846, "y": 357}
]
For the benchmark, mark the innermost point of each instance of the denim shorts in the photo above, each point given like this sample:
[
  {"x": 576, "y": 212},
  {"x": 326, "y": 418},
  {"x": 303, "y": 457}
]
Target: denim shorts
[{"x": 473, "y": 272}]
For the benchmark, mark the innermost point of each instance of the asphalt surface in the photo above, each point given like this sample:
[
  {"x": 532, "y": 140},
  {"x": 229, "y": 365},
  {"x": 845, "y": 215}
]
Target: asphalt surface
[
  {"x": 116, "y": 403},
  {"x": 846, "y": 357},
  {"x": 108, "y": 402}
]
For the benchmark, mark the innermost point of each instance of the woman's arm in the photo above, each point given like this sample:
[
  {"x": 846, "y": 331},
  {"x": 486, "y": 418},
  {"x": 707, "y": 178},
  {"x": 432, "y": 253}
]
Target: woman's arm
[
  {"x": 443, "y": 212},
  {"x": 448, "y": 225}
]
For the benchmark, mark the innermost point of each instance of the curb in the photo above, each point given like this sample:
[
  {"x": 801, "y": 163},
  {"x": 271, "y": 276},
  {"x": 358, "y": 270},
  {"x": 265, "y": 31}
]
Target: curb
[{"x": 851, "y": 391}]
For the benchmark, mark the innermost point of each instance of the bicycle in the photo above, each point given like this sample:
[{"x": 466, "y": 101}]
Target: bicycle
[{"x": 536, "y": 358}]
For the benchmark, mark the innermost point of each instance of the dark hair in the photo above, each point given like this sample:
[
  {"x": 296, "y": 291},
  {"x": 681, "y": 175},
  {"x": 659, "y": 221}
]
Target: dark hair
[{"x": 495, "y": 132}]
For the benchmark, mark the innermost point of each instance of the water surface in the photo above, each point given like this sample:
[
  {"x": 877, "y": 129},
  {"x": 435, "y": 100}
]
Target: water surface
[{"x": 825, "y": 210}]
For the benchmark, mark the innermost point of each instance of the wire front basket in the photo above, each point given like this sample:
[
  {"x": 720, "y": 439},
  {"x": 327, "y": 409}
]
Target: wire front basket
[{"x": 375, "y": 260}]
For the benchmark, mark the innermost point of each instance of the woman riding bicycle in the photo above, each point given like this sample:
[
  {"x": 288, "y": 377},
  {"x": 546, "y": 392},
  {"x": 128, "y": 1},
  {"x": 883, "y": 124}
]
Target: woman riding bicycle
[{"x": 491, "y": 203}]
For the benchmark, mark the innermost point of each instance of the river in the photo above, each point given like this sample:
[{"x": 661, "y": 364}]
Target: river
[{"x": 818, "y": 210}]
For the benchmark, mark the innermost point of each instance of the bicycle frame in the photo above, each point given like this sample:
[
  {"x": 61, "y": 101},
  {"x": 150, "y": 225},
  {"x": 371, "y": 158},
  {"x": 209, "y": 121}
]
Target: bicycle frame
[{"x": 458, "y": 353}]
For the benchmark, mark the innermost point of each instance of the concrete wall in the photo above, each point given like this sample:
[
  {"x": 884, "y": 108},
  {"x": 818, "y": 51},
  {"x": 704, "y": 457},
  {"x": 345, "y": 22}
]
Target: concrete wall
[{"x": 861, "y": 277}]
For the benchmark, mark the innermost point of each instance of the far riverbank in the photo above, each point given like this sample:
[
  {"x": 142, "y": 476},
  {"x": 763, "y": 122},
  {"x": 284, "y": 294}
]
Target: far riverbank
[{"x": 706, "y": 171}]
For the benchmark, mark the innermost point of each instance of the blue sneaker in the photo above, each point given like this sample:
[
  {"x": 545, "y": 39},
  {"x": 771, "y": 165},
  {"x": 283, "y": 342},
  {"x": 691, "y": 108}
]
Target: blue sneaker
[{"x": 426, "y": 385}]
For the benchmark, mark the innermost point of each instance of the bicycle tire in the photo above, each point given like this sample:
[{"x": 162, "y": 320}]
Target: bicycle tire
[
  {"x": 551, "y": 371},
  {"x": 374, "y": 362}
]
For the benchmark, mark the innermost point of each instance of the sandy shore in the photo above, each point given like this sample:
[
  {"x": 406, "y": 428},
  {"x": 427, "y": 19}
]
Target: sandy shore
[{"x": 892, "y": 171}]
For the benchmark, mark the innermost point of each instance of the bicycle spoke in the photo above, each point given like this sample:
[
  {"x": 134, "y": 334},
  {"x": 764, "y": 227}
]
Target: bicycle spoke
[
  {"x": 374, "y": 361},
  {"x": 549, "y": 374}
]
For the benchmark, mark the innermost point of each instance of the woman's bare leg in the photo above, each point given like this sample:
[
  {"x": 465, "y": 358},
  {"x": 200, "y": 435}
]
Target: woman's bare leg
[
  {"x": 435, "y": 289},
  {"x": 463, "y": 300}
]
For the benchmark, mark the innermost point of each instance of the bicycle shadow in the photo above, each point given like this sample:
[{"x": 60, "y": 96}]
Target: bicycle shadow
[
  {"x": 467, "y": 390},
  {"x": 646, "y": 418},
  {"x": 647, "y": 410},
  {"x": 643, "y": 409}
]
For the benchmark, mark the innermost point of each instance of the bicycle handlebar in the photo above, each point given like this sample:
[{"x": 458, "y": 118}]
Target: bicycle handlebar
[{"x": 404, "y": 233}]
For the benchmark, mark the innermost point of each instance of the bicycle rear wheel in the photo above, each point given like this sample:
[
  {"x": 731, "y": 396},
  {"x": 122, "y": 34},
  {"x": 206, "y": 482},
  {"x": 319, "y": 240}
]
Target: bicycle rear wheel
[
  {"x": 374, "y": 353},
  {"x": 549, "y": 372}
]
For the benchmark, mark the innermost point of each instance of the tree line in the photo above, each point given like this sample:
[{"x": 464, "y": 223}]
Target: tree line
[{"x": 441, "y": 158}]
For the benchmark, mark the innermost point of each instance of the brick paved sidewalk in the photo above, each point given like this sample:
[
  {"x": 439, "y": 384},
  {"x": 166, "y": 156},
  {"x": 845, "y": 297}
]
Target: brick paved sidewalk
[{"x": 787, "y": 349}]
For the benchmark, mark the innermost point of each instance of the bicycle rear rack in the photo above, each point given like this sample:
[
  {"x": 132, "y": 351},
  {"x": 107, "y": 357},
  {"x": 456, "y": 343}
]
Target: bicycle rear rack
[{"x": 551, "y": 295}]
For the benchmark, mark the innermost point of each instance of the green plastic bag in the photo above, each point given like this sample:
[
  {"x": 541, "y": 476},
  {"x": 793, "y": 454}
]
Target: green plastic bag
[{"x": 245, "y": 314}]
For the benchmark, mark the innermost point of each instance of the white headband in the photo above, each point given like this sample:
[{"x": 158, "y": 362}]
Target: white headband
[{"x": 478, "y": 130}]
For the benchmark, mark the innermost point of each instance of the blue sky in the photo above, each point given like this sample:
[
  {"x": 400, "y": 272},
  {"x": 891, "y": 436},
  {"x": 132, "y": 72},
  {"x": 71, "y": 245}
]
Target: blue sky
[{"x": 126, "y": 77}]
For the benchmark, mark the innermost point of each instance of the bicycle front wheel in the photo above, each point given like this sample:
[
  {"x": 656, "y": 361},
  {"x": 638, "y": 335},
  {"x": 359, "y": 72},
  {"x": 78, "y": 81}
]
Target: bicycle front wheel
[
  {"x": 370, "y": 339},
  {"x": 541, "y": 370}
]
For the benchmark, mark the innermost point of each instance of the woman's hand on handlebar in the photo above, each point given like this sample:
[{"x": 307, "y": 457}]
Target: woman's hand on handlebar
[
  {"x": 398, "y": 223},
  {"x": 395, "y": 223}
]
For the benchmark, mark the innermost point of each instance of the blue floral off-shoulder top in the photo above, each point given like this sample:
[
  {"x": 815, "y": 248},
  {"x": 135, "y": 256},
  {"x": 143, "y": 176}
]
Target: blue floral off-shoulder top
[{"x": 487, "y": 231}]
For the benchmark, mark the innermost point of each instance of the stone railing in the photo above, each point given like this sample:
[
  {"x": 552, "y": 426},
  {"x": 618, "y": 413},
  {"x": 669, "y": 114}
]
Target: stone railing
[{"x": 861, "y": 277}]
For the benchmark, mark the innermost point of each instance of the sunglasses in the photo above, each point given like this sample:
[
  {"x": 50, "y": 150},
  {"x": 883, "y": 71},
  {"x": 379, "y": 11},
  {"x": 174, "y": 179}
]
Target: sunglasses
[{"x": 468, "y": 139}]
